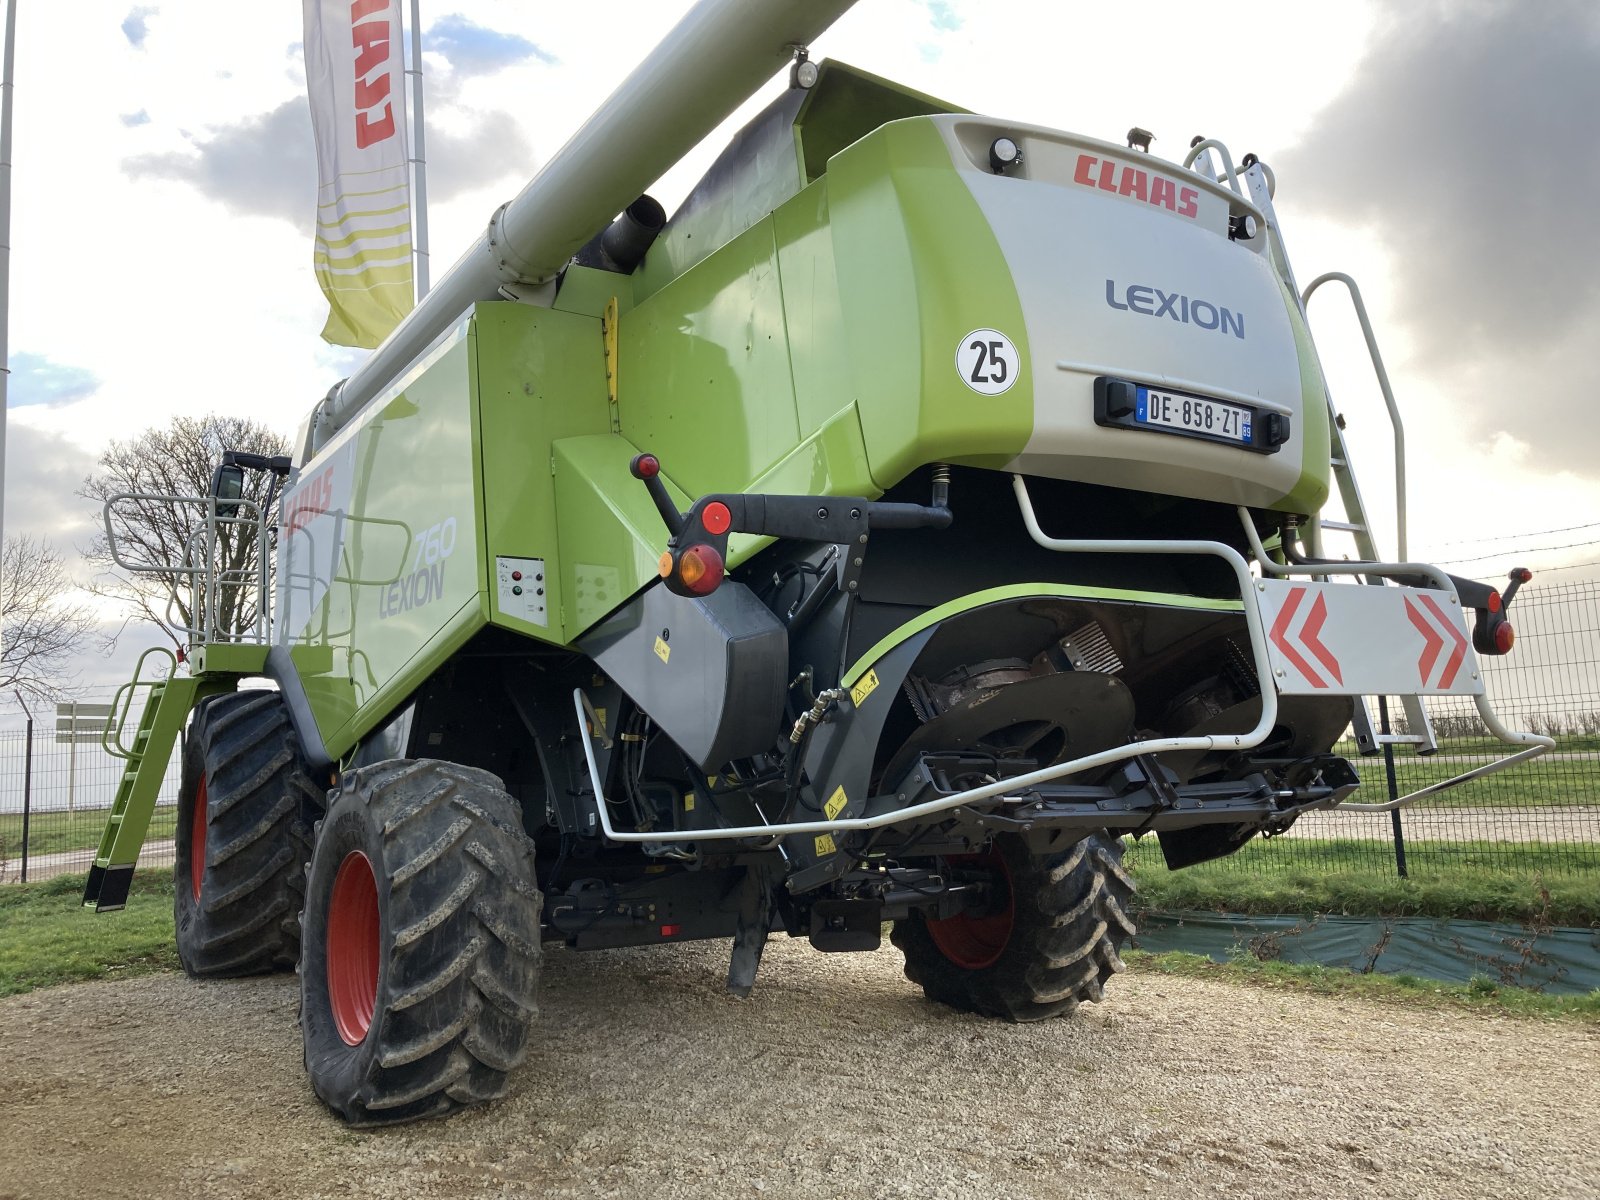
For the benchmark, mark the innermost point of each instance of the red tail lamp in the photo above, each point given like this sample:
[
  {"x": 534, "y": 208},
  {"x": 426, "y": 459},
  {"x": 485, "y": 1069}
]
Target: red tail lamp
[
  {"x": 700, "y": 570},
  {"x": 1504, "y": 637}
]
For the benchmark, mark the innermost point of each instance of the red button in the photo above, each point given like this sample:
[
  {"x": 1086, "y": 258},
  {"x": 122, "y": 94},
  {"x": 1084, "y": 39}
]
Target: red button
[{"x": 516, "y": 574}]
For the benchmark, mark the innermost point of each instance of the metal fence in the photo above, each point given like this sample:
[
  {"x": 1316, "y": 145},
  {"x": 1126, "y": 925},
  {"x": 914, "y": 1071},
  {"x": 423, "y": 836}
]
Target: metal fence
[{"x": 1541, "y": 817}]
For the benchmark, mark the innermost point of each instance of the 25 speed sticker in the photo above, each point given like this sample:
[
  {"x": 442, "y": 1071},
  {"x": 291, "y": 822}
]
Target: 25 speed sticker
[{"x": 988, "y": 362}]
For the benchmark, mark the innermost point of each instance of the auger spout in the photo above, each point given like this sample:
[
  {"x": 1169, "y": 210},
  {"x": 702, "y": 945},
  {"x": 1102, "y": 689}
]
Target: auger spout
[{"x": 710, "y": 63}]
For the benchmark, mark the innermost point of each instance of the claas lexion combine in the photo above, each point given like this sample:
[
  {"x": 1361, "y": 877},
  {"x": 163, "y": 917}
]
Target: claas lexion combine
[{"x": 931, "y": 502}]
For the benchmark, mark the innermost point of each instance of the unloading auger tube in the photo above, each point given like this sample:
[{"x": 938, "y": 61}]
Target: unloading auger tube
[{"x": 711, "y": 62}]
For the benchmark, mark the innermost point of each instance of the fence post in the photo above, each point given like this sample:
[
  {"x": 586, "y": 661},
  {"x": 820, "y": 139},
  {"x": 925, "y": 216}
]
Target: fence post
[
  {"x": 1394, "y": 788},
  {"x": 27, "y": 787}
]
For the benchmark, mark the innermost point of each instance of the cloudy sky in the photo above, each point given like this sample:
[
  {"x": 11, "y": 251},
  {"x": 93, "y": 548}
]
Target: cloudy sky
[{"x": 1444, "y": 154}]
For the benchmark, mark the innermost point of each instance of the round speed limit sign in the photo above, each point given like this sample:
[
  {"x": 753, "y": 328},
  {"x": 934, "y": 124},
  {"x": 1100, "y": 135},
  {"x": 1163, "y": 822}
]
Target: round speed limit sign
[{"x": 988, "y": 362}]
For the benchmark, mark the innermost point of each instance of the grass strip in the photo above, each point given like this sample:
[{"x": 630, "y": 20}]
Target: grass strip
[
  {"x": 1481, "y": 994},
  {"x": 48, "y": 938},
  {"x": 54, "y": 832}
]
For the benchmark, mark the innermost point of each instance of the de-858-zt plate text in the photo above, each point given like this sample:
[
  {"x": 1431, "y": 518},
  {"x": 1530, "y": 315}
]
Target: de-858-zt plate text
[{"x": 1129, "y": 405}]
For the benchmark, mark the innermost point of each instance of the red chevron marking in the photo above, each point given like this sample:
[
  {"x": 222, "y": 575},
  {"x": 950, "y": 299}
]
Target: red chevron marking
[
  {"x": 1459, "y": 654},
  {"x": 1310, "y": 640},
  {"x": 1432, "y": 642},
  {"x": 1280, "y": 628}
]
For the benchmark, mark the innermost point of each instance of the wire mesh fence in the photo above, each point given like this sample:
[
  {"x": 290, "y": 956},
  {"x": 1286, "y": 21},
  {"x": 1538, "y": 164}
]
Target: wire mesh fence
[{"x": 1541, "y": 817}]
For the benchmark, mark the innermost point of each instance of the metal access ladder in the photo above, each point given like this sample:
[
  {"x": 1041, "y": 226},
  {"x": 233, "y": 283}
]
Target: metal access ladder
[
  {"x": 168, "y": 698},
  {"x": 1255, "y": 184}
]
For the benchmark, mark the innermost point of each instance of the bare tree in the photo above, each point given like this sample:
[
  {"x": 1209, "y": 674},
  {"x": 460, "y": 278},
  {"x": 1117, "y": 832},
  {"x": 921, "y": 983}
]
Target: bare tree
[
  {"x": 40, "y": 629},
  {"x": 177, "y": 460}
]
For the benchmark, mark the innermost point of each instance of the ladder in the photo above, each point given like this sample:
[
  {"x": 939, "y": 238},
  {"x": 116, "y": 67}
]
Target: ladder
[
  {"x": 145, "y": 759},
  {"x": 1419, "y": 728}
]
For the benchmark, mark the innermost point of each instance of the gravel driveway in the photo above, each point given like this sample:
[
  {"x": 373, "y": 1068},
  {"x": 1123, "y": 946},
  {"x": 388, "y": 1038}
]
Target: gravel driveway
[{"x": 835, "y": 1079}]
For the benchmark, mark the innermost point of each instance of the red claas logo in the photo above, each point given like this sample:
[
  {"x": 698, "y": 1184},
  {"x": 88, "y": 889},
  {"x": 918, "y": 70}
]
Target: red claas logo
[
  {"x": 310, "y": 500},
  {"x": 374, "y": 112},
  {"x": 1141, "y": 185}
]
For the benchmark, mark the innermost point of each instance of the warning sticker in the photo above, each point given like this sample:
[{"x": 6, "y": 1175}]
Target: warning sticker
[
  {"x": 864, "y": 687},
  {"x": 825, "y": 846},
  {"x": 836, "y": 802},
  {"x": 663, "y": 651}
]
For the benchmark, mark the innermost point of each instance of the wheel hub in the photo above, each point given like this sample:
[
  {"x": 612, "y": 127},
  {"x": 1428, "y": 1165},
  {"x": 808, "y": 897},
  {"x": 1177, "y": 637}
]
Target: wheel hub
[
  {"x": 974, "y": 941},
  {"x": 353, "y": 948}
]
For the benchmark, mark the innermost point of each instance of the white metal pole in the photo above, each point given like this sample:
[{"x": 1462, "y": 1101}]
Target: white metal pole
[
  {"x": 419, "y": 156},
  {"x": 7, "y": 70}
]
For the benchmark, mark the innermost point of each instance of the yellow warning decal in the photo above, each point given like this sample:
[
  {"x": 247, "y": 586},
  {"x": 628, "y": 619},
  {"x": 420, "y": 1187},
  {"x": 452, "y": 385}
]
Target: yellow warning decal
[
  {"x": 825, "y": 846},
  {"x": 663, "y": 651},
  {"x": 836, "y": 802},
  {"x": 864, "y": 687},
  {"x": 688, "y": 802}
]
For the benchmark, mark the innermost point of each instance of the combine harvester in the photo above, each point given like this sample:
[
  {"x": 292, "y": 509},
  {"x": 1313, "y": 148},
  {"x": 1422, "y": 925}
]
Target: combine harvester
[{"x": 927, "y": 504}]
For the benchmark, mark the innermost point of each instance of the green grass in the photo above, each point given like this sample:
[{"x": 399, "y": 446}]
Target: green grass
[
  {"x": 1541, "y": 783},
  {"x": 53, "y": 832},
  {"x": 1469, "y": 880},
  {"x": 1482, "y": 994},
  {"x": 47, "y": 937}
]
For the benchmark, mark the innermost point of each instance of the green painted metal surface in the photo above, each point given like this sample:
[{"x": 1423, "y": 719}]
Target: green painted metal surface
[
  {"x": 165, "y": 711},
  {"x": 918, "y": 267}
]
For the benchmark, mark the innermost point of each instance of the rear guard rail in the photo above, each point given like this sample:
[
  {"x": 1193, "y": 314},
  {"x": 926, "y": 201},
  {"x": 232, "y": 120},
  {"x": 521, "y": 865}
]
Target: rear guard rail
[
  {"x": 1240, "y": 741},
  {"x": 1535, "y": 743}
]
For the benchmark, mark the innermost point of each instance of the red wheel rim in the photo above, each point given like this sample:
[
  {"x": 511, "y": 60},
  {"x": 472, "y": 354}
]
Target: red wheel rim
[
  {"x": 197, "y": 839},
  {"x": 973, "y": 941},
  {"x": 353, "y": 948}
]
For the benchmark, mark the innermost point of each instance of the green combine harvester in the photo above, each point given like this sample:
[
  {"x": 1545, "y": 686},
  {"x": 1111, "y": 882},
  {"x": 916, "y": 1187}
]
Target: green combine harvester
[{"x": 930, "y": 502}]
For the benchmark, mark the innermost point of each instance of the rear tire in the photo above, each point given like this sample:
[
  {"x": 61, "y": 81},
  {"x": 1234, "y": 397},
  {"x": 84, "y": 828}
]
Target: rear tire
[
  {"x": 245, "y": 808},
  {"x": 421, "y": 935},
  {"x": 1048, "y": 941}
]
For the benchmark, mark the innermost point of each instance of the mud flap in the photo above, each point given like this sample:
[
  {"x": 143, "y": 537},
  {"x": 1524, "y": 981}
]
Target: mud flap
[{"x": 756, "y": 909}]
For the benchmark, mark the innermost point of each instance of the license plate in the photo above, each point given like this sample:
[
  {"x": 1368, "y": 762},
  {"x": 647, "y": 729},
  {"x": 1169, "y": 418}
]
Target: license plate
[{"x": 1192, "y": 414}]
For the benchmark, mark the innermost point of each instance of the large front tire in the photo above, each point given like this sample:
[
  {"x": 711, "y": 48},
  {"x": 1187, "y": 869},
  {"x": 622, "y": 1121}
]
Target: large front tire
[
  {"x": 421, "y": 943},
  {"x": 245, "y": 807},
  {"x": 1048, "y": 940}
]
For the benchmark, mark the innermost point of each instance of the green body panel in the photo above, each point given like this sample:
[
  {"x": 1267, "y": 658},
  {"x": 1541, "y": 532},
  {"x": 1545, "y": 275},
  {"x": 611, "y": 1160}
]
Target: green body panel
[
  {"x": 705, "y": 382},
  {"x": 228, "y": 658},
  {"x": 409, "y": 585},
  {"x": 848, "y": 103},
  {"x": 1020, "y": 591},
  {"x": 1316, "y": 467},
  {"x": 541, "y": 380},
  {"x": 918, "y": 267}
]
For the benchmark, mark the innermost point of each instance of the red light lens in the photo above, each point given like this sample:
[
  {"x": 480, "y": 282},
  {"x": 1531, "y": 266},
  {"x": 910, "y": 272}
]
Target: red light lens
[
  {"x": 700, "y": 570},
  {"x": 1522, "y": 575},
  {"x": 716, "y": 518},
  {"x": 671, "y": 930},
  {"x": 647, "y": 466},
  {"x": 1495, "y": 603},
  {"x": 1504, "y": 637}
]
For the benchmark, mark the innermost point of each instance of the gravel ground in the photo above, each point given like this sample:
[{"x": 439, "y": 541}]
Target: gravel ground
[{"x": 836, "y": 1079}]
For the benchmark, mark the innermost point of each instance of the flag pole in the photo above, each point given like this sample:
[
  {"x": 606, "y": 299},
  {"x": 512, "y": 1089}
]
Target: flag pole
[
  {"x": 419, "y": 155},
  {"x": 7, "y": 70}
]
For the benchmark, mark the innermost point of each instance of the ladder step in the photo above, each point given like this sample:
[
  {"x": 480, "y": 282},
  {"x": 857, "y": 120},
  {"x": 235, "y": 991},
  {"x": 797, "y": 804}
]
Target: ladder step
[{"x": 1345, "y": 526}]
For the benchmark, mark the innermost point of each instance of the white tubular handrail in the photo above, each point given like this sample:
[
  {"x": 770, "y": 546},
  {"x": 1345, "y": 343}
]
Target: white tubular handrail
[
  {"x": 1228, "y": 172},
  {"x": 1383, "y": 385},
  {"x": 198, "y": 564},
  {"x": 1238, "y": 741},
  {"x": 1536, "y": 743}
]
